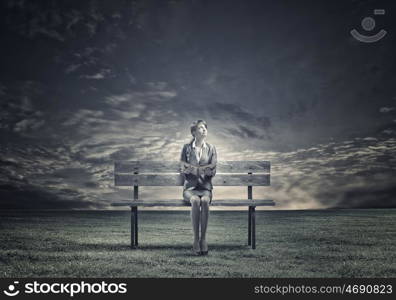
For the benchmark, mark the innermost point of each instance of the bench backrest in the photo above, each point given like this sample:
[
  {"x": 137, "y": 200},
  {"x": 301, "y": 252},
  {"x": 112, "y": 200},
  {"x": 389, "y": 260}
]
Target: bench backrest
[{"x": 166, "y": 173}]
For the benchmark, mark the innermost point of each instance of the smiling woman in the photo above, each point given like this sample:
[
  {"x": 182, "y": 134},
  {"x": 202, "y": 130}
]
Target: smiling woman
[{"x": 198, "y": 165}]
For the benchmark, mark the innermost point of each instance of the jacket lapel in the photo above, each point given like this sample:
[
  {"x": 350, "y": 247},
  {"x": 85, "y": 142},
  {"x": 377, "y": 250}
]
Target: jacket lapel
[
  {"x": 204, "y": 156},
  {"x": 193, "y": 158}
]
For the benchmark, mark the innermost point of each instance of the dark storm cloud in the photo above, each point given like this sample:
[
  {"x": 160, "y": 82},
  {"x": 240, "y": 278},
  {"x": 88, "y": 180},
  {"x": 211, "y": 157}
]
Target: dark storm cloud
[
  {"x": 240, "y": 123},
  {"x": 18, "y": 112},
  {"x": 225, "y": 111},
  {"x": 36, "y": 198},
  {"x": 54, "y": 20},
  {"x": 46, "y": 181},
  {"x": 243, "y": 132},
  {"x": 386, "y": 109},
  {"x": 376, "y": 196}
]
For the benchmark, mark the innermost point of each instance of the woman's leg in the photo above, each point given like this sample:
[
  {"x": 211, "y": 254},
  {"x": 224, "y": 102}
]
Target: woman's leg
[
  {"x": 195, "y": 219},
  {"x": 205, "y": 201},
  {"x": 195, "y": 216}
]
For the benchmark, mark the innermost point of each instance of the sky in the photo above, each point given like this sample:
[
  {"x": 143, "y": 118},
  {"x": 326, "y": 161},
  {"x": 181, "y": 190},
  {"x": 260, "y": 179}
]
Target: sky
[{"x": 85, "y": 83}]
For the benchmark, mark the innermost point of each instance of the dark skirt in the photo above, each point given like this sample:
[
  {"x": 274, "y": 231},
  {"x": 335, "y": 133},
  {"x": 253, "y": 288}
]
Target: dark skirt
[{"x": 187, "y": 194}]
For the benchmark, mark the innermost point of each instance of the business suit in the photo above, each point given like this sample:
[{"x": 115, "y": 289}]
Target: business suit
[{"x": 198, "y": 185}]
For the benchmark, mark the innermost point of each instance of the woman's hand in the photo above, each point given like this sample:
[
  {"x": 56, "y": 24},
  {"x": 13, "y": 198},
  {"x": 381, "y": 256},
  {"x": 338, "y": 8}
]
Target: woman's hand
[
  {"x": 208, "y": 172},
  {"x": 188, "y": 169}
]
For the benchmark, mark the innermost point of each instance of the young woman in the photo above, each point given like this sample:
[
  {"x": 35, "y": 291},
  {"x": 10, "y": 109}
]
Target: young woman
[{"x": 198, "y": 164}]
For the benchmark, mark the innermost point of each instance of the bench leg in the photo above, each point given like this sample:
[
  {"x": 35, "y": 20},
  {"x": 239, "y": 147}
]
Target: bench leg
[
  {"x": 253, "y": 227},
  {"x": 249, "y": 226},
  {"x": 134, "y": 226}
]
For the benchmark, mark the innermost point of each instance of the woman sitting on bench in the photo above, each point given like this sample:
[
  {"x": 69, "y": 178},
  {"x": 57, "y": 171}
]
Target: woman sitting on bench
[{"x": 198, "y": 164}]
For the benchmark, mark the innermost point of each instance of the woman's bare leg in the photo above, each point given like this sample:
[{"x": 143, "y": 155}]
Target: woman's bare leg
[
  {"x": 205, "y": 200},
  {"x": 195, "y": 220}
]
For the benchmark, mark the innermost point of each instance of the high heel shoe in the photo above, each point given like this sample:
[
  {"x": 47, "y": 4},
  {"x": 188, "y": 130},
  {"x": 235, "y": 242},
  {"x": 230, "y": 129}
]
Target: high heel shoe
[
  {"x": 204, "y": 247},
  {"x": 196, "y": 248}
]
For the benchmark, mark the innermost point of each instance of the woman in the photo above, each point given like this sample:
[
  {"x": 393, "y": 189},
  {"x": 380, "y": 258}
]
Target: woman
[{"x": 198, "y": 164}]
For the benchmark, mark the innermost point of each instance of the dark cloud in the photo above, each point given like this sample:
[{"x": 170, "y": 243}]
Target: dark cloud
[
  {"x": 126, "y": 153},
  {"x": 243, "y": 132},
  {"x": 373, "y": 197},
  {"x": 33, "y": 198}
]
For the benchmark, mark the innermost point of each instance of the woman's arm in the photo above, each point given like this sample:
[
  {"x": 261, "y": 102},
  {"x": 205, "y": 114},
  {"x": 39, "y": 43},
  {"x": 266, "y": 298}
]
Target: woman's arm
[
  {"x": 214, "y": 160},
  {"x": 210, "y": 170},
  {"x": 185, "y": 167},
  {"x": 183, "y": 161}
]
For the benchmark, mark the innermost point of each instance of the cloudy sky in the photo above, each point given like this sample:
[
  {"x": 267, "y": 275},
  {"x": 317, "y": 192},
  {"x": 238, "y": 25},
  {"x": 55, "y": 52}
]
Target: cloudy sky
[{"x": 84, "y": 83}]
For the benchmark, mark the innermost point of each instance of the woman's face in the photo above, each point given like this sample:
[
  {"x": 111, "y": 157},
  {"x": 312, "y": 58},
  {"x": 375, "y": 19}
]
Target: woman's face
[{"x": 201, "y": 131}]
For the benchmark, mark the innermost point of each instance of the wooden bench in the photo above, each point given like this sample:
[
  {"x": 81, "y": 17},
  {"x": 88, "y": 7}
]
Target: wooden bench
[{"x": 159, "y": 173}]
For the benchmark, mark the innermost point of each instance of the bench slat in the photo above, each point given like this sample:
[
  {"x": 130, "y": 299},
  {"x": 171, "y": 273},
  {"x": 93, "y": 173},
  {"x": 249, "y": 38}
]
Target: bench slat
[
  {"x": 178, "y": 202},
  {"x": 177, "y": 180},
  {"x": 173, "y": 166}
]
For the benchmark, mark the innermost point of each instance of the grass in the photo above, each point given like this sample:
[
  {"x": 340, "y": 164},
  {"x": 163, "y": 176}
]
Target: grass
[{"x": 325, "y": 243}]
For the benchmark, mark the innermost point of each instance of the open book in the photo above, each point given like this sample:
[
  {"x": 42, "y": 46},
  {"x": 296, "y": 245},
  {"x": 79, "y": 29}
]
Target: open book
[{"x": 207, "y": 170}]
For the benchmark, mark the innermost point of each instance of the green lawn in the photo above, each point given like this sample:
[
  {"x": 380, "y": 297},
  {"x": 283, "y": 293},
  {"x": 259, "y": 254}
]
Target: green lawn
[{"x": 326, "y": 243}]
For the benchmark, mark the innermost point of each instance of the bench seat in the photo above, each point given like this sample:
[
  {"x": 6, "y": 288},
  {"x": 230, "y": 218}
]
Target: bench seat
[{"x": 179, "y": 202}]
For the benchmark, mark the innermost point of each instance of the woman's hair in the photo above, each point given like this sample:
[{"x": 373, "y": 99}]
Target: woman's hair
[{"x": 194, "y": 126}]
